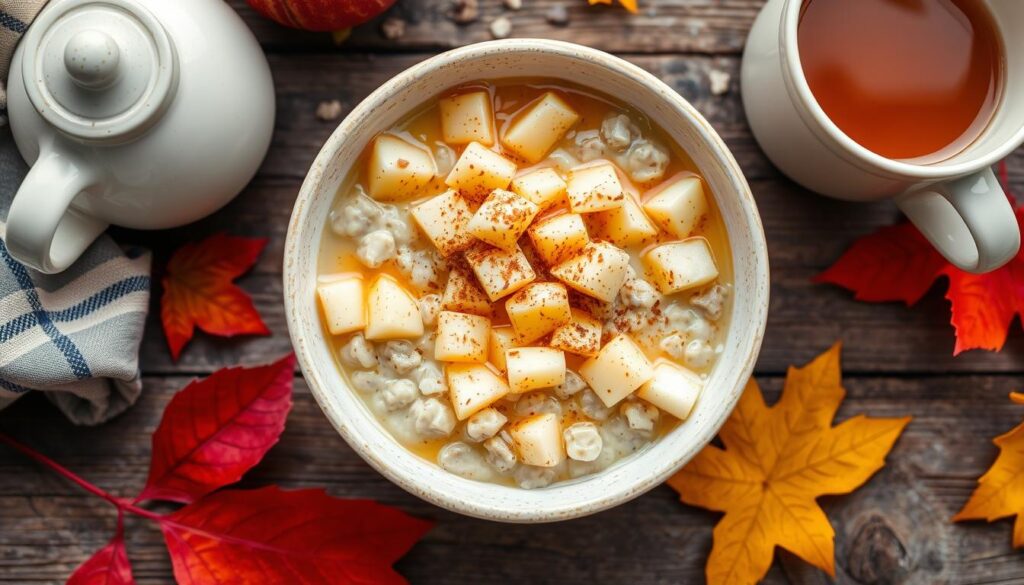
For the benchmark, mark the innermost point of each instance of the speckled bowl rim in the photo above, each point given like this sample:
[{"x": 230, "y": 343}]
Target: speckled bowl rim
[{"x": 631, "y": 476}]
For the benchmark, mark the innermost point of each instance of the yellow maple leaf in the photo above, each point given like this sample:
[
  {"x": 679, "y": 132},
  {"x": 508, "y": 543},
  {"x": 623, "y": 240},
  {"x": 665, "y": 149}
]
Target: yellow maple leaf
[
  {"x": 777, "y": 460},
  {"x": 1000, "y": 492},
  {"x": 630, "y": 5}
]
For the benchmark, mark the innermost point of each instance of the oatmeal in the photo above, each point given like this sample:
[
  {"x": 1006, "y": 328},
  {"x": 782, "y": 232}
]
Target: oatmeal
[{"x": 525, "y": 282}]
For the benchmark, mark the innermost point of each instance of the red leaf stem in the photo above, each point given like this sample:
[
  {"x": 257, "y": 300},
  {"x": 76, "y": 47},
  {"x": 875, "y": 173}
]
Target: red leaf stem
[{"x": 122, "y": 504}]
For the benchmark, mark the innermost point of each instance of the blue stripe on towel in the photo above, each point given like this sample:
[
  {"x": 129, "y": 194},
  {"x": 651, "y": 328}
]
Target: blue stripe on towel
[
  {"x": 16, "y": 327},
  {"x": 12, "y": 387},
  {"x": 102, "y": 298},
  {"x": 11, "y": 23},
  {"x": 63, "y": 343},
  {"x": 99, "y": 300}
]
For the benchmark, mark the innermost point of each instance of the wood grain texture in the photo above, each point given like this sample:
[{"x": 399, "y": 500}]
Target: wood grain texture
[
  {"x": 897, "y": 361},
  {"x": 896, "y": 529},
  {"x": 703, "y": 26}
]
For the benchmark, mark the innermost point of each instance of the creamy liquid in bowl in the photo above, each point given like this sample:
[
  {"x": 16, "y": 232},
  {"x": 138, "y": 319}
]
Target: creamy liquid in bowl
[{"x": 525, "y": 282}]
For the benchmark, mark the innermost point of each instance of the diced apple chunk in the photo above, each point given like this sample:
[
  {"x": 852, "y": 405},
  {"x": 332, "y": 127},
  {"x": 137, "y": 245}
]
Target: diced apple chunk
[
  {"x": 461, "y": 337},
  {"x": 538, "y": 309},
  {"x": 624, "y": 226},
  {"x": 544, "y": 187},
  {"x": 594, "y": 188},
  {"x": 502, "y": 338},
  {"x": 462, "y": 294},
  {"x": 467, "y": 118},
  {"x": 532, "y": 368},
  {"x": 443, "y": 218},
  {"x": 678, "y": 204},
  {"x": 500, "y": 273},
  {"x": 617, "y": 370},
  {"x": 678, "y": 266},
  {"x": 673, "y": 389},
  {"x": 534, "y": 132},
  {"x": 502, "y": 219},
  {"x": 397, "y": 169},
  {"x": 391, "y": 311},
  {"x": 581, "y": 335},
  {"x": 480, "y": 171},
  {"x": 472, "y": 388},
  {"x": 559, "y": 237},
  {"x": 538, "y": 440},
  {"x": 343, "y": 303},
  {"x": 598, "y": 271}
]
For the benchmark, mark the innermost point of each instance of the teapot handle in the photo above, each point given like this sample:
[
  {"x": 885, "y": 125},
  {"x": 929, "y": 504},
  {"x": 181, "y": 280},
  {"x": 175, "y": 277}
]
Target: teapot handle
[{"x": 43, "y": 231}]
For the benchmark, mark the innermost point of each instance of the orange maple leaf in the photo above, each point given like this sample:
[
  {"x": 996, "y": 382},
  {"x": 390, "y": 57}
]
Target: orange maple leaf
[
  {"x": 777, "y": 460},
  {"x": 198, "y": 290},
  {"x": 1000, "y": 492},
  {"x": 630, "y": 5}
]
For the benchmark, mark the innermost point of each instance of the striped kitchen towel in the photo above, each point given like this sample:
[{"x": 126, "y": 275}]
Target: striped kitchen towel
[
  {"x": 15, "y": 16},
  {"x": 74, "y": 336}
]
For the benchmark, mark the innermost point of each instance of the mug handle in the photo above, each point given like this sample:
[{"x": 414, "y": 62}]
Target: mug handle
[
  {"x": 969, "y": 220},
  {"x": 43, "y": 231}
]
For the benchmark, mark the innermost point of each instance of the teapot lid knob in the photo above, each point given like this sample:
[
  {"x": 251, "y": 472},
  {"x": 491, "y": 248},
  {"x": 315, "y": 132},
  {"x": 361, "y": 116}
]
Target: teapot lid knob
[
  {"x": 92, "y": 58},
  {"x": 99, "y": 70}
]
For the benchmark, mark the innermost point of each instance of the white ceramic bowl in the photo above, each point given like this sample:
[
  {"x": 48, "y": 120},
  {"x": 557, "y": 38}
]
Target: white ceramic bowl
[{"x": 583, "y": 66}]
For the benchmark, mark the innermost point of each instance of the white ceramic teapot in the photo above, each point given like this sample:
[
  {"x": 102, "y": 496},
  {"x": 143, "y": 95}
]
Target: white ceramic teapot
[{"x": 147, "y": 114}]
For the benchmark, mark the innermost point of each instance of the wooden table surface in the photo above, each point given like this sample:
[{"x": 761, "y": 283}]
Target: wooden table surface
[{"x": 897, "y": 361}]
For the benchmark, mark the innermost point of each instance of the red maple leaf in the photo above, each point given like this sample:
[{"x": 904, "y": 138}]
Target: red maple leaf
[
  {"x": 265, "y": 536},
  {"x": 216, "y": 429},
  {"x": 320, "y": 15},
  {"x": 897, "y": 264},
  {"x": 296, "y": 537},
  {"x": 199, "y": 290},
  {"x": 108, "y": 566}
]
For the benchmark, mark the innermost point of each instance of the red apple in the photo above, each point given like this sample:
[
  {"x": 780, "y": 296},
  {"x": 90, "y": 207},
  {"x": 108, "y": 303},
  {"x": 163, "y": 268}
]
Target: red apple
[{"x": 320, "y": 15}]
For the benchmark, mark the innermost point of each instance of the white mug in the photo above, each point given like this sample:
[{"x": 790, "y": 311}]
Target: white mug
[{"x": 957, "y": 203}]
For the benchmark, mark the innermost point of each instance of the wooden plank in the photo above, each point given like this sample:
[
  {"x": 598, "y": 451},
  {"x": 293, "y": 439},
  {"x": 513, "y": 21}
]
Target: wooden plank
[
  {"x": 304, "y": 81},
  {"x": 895, "y": 530},
  {"x": 898, "y": 521},
  {"x": 704, "y": 26}
]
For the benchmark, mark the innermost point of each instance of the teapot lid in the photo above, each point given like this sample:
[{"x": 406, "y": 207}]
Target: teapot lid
[{"x": 99, "y": 70}]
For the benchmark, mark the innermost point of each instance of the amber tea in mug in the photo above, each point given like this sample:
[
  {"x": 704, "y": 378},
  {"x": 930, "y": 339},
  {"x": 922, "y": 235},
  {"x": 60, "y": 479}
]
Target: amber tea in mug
[{"x": 914, "y": 80}]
